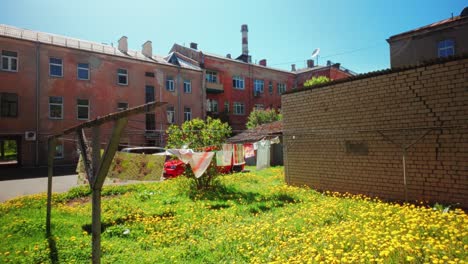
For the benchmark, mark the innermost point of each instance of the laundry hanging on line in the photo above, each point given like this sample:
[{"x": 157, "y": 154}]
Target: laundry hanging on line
[
  {"x": 263, "y": 154},
  {"x": 199, "y": 161},
  {"x": 238, "y": 154},
  {"x": 249, "y": 150}
]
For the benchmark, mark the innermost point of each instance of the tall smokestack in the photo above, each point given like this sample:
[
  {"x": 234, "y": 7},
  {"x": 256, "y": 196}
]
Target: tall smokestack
[{"x": 245, "y": 40}]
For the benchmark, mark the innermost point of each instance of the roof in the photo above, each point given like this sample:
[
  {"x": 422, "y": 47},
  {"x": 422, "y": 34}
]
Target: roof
[
  {"x": 68, "y": 42},
  {"x": 379, "y": 73},
  {"x": 431, "y": 27},
  {"x": 269, "y": 130}
]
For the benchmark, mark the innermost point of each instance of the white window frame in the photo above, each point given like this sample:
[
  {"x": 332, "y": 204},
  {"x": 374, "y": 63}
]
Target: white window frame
[
  {"x": 78, "y": 68},
  {"x": 56, "y": 65},
  {"x": 270, "y": 87},
  {"x": 122, "y": 74},
  {"x": 238, "y": 82},
  {"x": 226, "y": 107},
  {"x": 9, "y": 63},
  {"x": 56, "y": 104},
  {"x": 281, "y": 88},
  {"x": 187, "y": 86},
  {"x": 259, "y": 86},
  {"x": 61, "y": 146},
  {"x": 214, "y": 106},
  {"x": 239, "y": 108},
  {"x": 122, "y": 108},
  {"x": 445, "y": 47},
  {"x": 78, "y": 106},
  {"x": 211, "y": 76},
  {"x": 187, "y": 114},
  {"x": 170, "y": 85},
  {"x": 170, "y": 112},
  {"x": 259, "y": 107}
]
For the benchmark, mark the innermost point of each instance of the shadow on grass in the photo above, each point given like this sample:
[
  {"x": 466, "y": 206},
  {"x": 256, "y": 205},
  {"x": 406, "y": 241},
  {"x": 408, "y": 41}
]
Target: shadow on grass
[{"x": 53, "y": 253}]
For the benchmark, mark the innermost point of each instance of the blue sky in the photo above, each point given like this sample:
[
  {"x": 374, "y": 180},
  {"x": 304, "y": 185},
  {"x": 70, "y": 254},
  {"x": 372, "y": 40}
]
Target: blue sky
[{"x": 353, "y": 33}]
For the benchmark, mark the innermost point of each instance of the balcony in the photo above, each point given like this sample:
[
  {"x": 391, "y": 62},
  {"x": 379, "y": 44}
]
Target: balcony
[{"x": 214, "y": 88}]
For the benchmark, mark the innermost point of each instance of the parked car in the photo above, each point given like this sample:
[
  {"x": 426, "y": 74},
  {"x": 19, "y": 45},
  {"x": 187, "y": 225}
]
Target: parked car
[{"x": 144, "y": 150}]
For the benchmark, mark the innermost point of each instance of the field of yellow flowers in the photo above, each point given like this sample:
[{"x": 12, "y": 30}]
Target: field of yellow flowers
[{"x": 250, "y": 218}]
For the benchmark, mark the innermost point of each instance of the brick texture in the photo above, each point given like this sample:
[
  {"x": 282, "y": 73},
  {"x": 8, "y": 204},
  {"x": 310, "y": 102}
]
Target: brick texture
[{"x": 350, "y": 136}]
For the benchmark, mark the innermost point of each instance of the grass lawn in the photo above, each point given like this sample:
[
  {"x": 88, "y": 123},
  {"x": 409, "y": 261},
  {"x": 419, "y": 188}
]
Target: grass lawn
[{"x": 253, "y": 217}]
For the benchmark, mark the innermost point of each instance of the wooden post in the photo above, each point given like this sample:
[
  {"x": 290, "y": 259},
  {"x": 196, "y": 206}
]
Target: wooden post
[
  {"x": 50, "y": 171},
  {"x": 98, "y": 181},
  {"x": 96, "y": 145}
]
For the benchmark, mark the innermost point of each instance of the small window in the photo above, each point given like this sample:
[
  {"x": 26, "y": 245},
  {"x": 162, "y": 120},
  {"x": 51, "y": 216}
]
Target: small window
[
  {"x": 258, "y": 86},
  {"x": 187, "y": 114},
  {"x": 281, "y": 88},
  {"x": 121, "y": 106},
  {"x": 55, "y": 67},
  {"x": 446, "y": 48},
  {"x": 239, "y": 108},
  {"x": 9, "y": 60},
  {"x": 150, "y": 121},
  {"x": 122, "y": 76},
  {"x": 170, "y": 114},
  {"x": 213, "y": 106},
  {"x": 83, "y": 71},
  {"x": 149, "y": 94},
  {"x": 55, "y": 107},
  {"x": 8, "y": 105},
  {"x": 238, "y": 82},
  {"x": 211, "y": 76},
  {"x": 149, "y": 74},
  {"x": 187, "y": 86},
  {"x": 226, "y": 107},
  {"x": 270, "y": 87},
  {"x": 170, "y": 84},
  {"x": 82, "y": 106},
  {"x": 59, "y": 150}
]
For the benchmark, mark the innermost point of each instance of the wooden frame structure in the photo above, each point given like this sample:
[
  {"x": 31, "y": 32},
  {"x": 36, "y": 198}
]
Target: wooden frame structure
[{"x": 96, "y": 167}]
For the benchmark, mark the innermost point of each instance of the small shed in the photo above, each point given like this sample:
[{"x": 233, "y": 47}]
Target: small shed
[{"x": 265, "y": 131}]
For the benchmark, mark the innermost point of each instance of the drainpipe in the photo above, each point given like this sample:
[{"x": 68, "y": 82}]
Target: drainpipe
[
  {"x": 179, "y": 91},
  {"x": 203, "y": 90},
  {"x": 38, "y": 57}
]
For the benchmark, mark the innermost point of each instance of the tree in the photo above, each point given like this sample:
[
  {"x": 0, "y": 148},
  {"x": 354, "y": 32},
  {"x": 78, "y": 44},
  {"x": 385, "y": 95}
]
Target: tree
[
  {"x": 316, "y": 81},
  {"x": 259, "y": 117},
  {"x": 200, "y": 135}
]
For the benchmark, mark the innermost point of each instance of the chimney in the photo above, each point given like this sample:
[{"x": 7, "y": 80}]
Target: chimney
[
  {"x": 263, "y": 62},
  {"x": 228, "y": 55},
  {"x": 245, "y": 40},
  {"x": 329, "y": 62},
  {"x": 147, "y": 49},
  {"x": 193, "y": 45},
  {"x": 310, "y": 63},
  {"x": 123, "y": 45},
  {"x": 293, "y": 67}
]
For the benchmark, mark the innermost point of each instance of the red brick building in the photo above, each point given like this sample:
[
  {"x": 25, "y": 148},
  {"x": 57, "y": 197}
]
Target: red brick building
[
  {"x": 234, "y": 87},
  {"x": 49, "y": 83}
]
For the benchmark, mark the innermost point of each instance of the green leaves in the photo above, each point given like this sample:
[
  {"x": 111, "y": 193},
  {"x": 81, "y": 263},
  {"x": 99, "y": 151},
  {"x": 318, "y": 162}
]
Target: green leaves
[{"x": 260, "y": 117}]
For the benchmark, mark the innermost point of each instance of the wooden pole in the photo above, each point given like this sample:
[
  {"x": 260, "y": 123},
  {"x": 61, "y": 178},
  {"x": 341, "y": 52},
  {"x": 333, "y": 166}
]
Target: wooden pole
[
  {"x": 50, "y": 172},
  {"x": 98, "y": 181}
]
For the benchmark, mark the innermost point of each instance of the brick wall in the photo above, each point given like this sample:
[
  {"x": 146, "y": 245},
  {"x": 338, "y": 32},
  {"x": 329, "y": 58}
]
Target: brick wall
[{"x": 349, "y": 136}]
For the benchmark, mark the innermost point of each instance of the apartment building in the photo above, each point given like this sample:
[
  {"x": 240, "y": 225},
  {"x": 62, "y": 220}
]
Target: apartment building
[
  {"x": 236, "y": 86},
  {"x": 49, "y": 83}
]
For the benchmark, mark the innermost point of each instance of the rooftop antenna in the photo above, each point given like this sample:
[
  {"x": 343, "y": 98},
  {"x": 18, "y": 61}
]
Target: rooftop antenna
[{"x": 315, "y": 53}]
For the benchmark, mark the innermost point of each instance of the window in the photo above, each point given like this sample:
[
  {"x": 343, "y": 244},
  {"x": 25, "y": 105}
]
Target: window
[
  {"x": 8, "y": 105},
  {"x": 59, "y": 150},
  {"x": 258, "y": 86},
  {"x": 259, "y": 107},
  {"x": 226, "y": 107},
  {"x": 170, "y": 84},
  {"x": 55, "y": 107},
  {"x": 121, "y": 106},
  {"x": 149, "y": 94},
  {"x": 211, "y": 76},
  {"x": 170, "y": 114},
  {"x": 187, "y": 86},
  {"x": 150, "y": 121},
  {"x": 9, "y": 60},
  {"x": 122, "y": 76},
  {"x": 149, "y": 74},
  {"x": 82, "y": 110},
  {"x": 83, "y": 71},
  {"x": 446, "y": 48},
  {"x": 187, "y": 114},
  {"x": 238, "y": 82},
  {"x": 55, "y": 67},
  {"x": 270, "y": 87},
  {"x": 213, "y": 106},
  {"x": 281, "y": 88},
  {"x": 239, "y": 108}
]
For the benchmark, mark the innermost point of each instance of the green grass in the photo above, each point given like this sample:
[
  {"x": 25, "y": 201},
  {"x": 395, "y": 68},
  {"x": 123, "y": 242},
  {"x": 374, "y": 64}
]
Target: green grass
[{"x": 251, "y": 217}]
